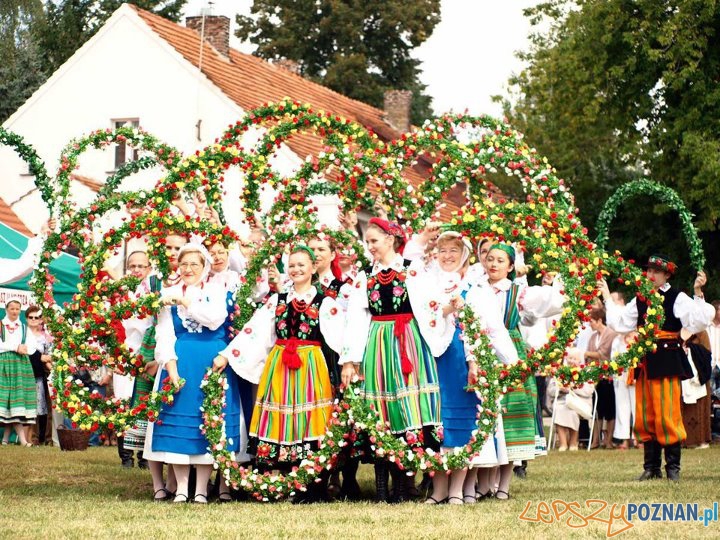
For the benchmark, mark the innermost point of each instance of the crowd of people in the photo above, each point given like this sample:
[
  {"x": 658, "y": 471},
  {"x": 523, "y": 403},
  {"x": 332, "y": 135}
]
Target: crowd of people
[{"x": 393, "y": 326}]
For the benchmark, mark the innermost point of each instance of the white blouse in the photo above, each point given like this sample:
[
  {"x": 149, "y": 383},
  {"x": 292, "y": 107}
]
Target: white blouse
[
  {"x": 480, "y": 299},
  {"x": 13, "y": 337},
  {"x": 207, "y": 309},
  {"x": 248, "y": 351},
  {"x": 695, "y": 314},
  {"x": 343, "y": 297},
  {"x": 227, "y": 279},
  {"x": 533, "y": 302}
]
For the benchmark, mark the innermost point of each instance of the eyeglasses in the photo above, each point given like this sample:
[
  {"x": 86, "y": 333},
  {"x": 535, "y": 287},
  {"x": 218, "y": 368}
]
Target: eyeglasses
[
  {"x": 138, "y": 267},
  {"x": 34, "y": 317},
  {"x": 193, "y": 265}
]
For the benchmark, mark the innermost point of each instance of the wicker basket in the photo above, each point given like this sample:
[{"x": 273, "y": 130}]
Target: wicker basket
[{"x": 73, "y": 439}]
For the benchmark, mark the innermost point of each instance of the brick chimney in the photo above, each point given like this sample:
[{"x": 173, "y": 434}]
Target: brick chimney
[
  {"x": 292, "y": 66},
  {"x": 397, "y": 109},
  {"x": 217, "y": 31}
]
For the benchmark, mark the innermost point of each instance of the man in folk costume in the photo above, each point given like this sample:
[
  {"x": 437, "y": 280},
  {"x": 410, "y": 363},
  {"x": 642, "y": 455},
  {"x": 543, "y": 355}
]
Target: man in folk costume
[{"x": 658, "y": 420}]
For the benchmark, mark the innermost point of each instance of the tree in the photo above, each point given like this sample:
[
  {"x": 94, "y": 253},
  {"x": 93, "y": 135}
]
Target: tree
[
  {"x": 20, "y": 70},
  {"x": 360, "y": 48},
  {"x": 617, "y": 89},
  {"x": 37, "y": 37}
]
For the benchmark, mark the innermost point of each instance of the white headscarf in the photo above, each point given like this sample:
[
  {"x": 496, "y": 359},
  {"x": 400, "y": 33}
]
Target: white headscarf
[{"x": 197, "y": 247}]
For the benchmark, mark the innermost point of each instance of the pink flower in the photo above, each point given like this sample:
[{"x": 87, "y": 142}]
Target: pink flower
[
  {"x": 398, "y": 290},
  {"x": 282, "y": 324},
  {"x": 304, "y": 328},
  {"x": 374, "y": 296}
]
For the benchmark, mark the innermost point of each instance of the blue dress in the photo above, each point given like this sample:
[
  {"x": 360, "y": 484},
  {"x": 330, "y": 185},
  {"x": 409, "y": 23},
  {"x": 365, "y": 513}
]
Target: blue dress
[
  {"x": 179, "y": 428},
  {"x": 458, "y": 407}
]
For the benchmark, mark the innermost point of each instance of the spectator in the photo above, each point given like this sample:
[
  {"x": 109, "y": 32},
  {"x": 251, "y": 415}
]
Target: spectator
[
  {"x": 41, "y": 362},
  {"x": 18, "y": 396},
  {"x": 696, "y": 405}
]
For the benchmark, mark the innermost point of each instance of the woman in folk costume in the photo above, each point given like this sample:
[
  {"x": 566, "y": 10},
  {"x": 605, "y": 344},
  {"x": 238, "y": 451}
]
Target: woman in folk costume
[
  {"x": 18, "y": 392},
  {"x": 190, "y": 333},
  {"x": 329, "y": 278},
  {"x": 658, "y": 417},
  {"x": 281, "y": 347},
  {"x": 446, "y": 277},
  {"x": 384, "y": 346},
  {"x": 522, "y": 429}
]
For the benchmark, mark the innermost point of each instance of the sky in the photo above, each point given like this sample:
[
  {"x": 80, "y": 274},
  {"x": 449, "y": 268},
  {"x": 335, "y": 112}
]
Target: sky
[{"x": 468, "y": 58}]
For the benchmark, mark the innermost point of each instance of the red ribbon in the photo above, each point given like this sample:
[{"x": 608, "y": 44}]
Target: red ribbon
[
  {"x": 290, "y": 356},
  {"x": 401, "y": 321}
]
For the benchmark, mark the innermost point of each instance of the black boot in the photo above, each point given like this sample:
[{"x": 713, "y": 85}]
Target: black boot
[
  {"x": 652, "y": 461},
  {"x": 141, "y": 461},
  {"x": 672, "y": 462},
  {"x": 381, "y": 481},
  {"x": 126, "y": 456},
  {"x": 400, "y": 485},
  {"x": 350, "y": 487},
  {"x": 521, "y": 470}
]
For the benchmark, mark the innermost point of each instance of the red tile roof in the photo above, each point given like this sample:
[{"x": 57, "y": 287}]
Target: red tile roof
[
  {"x": 250, "y": 82},
  {"x": 10, "y": 218},
  {"x": 86, "y": 181}
]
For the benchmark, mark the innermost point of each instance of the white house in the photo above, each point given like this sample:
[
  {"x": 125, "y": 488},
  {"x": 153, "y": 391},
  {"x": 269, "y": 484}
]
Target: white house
[{"x": 144, "y": 70}]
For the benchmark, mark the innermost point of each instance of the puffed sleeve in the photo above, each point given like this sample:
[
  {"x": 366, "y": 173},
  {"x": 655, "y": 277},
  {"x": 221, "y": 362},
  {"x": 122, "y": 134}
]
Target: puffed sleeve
[
  {"x": 621, "y": 319},
  {"x": 248, "y": 351},
  {"x": 237, "y": 260},
  {"x": 207, "y": 306},
  {"x": 426, "y": 300},
  {"x": 695, "y": 314},
  {"x": 332, "y": 323},
  {"x": 540, "y": 301},
  {"x": 165, "y": 337},
  {"x": 484, "y": 305},
  {"x": 357, "y": 323}
]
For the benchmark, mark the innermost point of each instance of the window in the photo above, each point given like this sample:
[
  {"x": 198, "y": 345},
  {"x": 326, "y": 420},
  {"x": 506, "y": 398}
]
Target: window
[{"x": 124, "y": 154}]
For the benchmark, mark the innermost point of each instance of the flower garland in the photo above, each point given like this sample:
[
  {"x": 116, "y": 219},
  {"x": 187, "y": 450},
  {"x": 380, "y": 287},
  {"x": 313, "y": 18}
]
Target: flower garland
[
  {"x": 659, "y": 192},
  {"x": 35, "y": 166},
  {"x": 545, "y": 225}
]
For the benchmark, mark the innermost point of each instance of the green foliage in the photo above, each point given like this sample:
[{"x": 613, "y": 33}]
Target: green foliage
[
  {"x": 37, "y": 37},
  {"x": 359, "y": 48},
  {"x": 619, "y": 89}
]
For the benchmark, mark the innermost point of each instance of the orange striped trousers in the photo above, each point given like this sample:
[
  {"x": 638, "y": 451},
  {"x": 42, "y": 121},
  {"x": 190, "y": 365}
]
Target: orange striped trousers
[{"x": 658, "y": 410}]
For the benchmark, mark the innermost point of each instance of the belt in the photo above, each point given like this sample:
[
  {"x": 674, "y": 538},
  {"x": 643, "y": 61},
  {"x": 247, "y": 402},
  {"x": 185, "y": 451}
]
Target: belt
[{"x": 290, "y": 356}]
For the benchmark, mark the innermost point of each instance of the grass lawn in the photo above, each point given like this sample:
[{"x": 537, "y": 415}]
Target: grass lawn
[{"x": 45, "y": 493}]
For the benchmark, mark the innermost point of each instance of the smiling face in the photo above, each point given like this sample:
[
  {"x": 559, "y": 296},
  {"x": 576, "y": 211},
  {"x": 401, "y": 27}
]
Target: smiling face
[
  {"x": 300, "y": 268},
  {"x": 380, "y": 244},
  {"x": 498, "y": 265},
  {"x": 191, "y": 267},
  {"x": 324, "y": 254},
  {"x": 449, "y": 254},
  {"x": 173, "y": 243},
  {"x": 34, "y": 317},
  {"x": 219, "y": 254},
  {"x": 138, "y": 265}
]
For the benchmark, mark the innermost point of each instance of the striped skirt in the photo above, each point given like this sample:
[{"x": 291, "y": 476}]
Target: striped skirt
[
  {"x": 135, "y": 436},
  {"x": 523, "y": 432},
  {"x": 18, "y": 391},
  {"x": 292, "y": 408},
  {"x": 410, "y": 404},
  {"x": 658, "y": 410}
]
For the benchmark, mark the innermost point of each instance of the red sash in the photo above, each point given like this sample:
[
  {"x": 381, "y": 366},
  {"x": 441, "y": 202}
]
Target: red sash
[
  {"x": 290, "y": 356},
  {"x": 401, "y": 321}
]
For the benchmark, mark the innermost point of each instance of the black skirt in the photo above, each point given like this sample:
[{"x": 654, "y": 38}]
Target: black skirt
[{"x": 605, "y": 400}]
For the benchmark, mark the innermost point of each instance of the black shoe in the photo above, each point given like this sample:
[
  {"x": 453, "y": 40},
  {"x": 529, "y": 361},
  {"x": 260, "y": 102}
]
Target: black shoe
[
  {"x": 400, "y": 485},
  {"x": 672, "y": 462},
  {"x": 143, "y": 464},
  {"x": 649, "y": 475},
  {"x": 128, "y": 464},
  {"x": 520, "y": 472},
  {"x": 382, "y": 475}
]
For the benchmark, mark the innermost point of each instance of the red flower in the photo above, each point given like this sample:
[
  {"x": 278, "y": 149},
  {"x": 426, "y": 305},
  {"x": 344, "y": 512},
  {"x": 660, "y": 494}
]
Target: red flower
[
  {"x": 331, "y": 293},
  {"x": 312, "y": 312},
  {"x": 236, "y": 353},
  {"x": 333, "y": 311},
  {"x": 304, "y": 328},
  {"x": 280, "y": 309}
]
